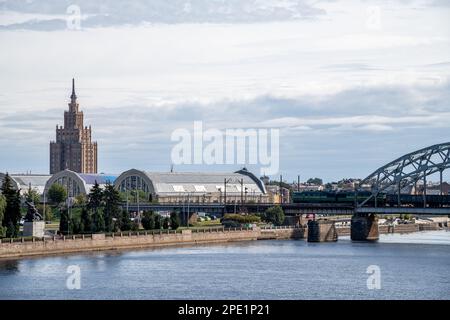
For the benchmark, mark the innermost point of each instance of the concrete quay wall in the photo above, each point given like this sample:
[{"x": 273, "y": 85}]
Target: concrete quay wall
[
  {"x": 400, "y": 228},
  {"x": 97, "y": 242}
]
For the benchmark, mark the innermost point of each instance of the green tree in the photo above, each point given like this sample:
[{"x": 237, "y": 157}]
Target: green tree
[
  {"x": 2, "y": 215},
  {"x": 134, "y": 226},
  {"x": 274, "y": 215},
  {"x": 125, "y": 221},
  {"x": 98, "y": 222},
  {"x": 48, "y": 214},
  {"x": 166, "y": 223},
  {"x": 315, "y": 181},
  {"x": 64, "y": 226},
  {"x": 175, "y": 220},
  {"x": 95, "y": 197},
  {"x": 148, "y": 220},
  {"x": 86, "y": 220},
  {"x": 57, "y": 193},
  {"x": 112, "y": 211},
  {"x": 75, "y": 224},
  {"x": 32, "y": 195},
  {"x": 80, "y": 200},
  {"x": 158, "y": 221},
  {"x": 12, "y": 215},
  {"x": 95, "y": 204}
]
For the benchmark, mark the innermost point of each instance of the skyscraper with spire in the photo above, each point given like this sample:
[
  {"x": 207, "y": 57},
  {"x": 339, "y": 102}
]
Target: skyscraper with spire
[{"x": 73, "y": 148}]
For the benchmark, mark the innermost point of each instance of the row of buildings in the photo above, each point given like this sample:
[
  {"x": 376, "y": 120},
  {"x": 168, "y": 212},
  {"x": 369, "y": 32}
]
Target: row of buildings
[{"x": 162, "y": 187}]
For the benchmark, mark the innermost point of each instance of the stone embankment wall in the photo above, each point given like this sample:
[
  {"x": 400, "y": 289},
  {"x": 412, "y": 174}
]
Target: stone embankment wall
[
  {"x": 400, "y": 228},
  {"x": 97, "y": 242}
]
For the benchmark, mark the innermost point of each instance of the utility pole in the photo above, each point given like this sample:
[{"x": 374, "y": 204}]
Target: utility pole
[
  {"x": 441, "y": 191},
  {"x": 424, "y": 189},
  {"x": 298, "y": 183},
  {"x": 242, "y": 191},
  {"x": 281, "y": 190},
  {"x": 138, "y": 211},
  {"x": 43, "y": 214},
  {"x": 128, "y": 204},
  {"x": 225, "y": 191},
  {"x": 188, "y": 211}
]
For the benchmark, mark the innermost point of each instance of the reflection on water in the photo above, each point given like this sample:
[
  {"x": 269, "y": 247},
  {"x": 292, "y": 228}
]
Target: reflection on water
[{"x": 413, "y": 266}]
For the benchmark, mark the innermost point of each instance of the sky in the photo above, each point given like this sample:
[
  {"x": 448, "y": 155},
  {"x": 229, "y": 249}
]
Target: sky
[{"x": 351, "y": 85}]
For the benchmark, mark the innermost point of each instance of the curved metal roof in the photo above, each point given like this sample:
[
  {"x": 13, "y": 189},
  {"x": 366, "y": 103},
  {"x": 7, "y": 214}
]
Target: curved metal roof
[
  {"x": 24, "y": 181},
  {"x": 195, "y": 182},
  {"x": 85, "y": 181}
]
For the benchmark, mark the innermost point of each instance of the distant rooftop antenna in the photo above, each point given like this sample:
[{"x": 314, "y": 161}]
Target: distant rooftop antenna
[{"x": 171, "y": 168}]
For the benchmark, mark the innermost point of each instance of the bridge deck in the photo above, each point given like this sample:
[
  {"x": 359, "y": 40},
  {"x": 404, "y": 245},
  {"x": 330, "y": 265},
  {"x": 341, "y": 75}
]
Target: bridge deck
[{"x": 289, "y": 208}]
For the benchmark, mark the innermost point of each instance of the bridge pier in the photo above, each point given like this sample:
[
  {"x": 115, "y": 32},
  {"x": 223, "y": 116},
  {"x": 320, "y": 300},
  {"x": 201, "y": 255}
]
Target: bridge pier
[
  {"x": 321, "y": 231},
  {"x": 364, "y": 227}
]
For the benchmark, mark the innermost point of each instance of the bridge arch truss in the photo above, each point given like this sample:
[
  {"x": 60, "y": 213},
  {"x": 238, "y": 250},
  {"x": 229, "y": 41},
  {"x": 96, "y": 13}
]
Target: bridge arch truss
[{"x": 408, "y": 170}]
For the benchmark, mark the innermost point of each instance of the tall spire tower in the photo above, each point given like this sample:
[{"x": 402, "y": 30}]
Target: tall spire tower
[
  {"x": 73, "y": 148},
  {"x": 73, "y": 96}
]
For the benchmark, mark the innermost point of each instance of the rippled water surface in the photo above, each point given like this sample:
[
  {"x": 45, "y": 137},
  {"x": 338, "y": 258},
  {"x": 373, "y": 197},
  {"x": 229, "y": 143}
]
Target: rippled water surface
[{"x": 412, "y": 266}]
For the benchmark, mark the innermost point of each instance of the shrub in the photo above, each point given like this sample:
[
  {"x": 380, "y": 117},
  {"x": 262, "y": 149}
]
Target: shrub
[
  {"x": 239, "y": 218},
  {"x": 166, "y": 223},
  {"x": 158, "y": 221},
  {"x": 174, "y": 220},
  {"x": 148, "y": 220},
  {"x": 274, "y": 215},
  {"x": 57, "y": 193}
]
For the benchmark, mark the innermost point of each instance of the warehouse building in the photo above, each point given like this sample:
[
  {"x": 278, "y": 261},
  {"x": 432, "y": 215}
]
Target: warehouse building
[
  {"x": 78, "y": 183},
  {"x": 196, "y": 187},
  {"x": 23, "y": 182}
]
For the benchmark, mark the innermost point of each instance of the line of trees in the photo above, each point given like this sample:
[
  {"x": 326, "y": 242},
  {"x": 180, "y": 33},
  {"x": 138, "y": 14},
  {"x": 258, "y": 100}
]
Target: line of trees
[
  {"x": 102, "y": 212},
  {"x": 152, "y": 221},
  {"x": 10, "y": 214}
]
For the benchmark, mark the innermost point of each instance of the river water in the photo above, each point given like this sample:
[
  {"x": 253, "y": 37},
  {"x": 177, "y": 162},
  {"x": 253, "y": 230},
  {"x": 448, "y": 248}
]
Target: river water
[{"x": 409, "y": 266}]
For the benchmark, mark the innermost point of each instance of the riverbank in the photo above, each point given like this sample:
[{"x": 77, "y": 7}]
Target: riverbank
[
  {"x": 23, "y": 247},
  {"x": 398, "y": 228},
  {"x": 143, "y": 239}
]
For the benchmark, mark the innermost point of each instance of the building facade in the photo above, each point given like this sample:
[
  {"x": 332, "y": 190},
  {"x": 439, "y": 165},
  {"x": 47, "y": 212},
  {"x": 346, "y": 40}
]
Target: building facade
[
  {"x": 78, "y": 183},
  {"x": 73, "y": 148},
  {"x": 196, "y": 187}
]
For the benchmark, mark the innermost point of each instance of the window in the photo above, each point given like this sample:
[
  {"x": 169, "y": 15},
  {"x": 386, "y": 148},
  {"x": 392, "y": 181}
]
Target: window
[
  {"x": 178, "y": 188},
  {"x": 200, "y": 188}
]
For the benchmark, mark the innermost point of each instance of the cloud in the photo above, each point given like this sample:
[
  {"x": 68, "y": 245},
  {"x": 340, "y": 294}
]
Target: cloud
[
  {"x": 328, "y": 136},
  {"x": 114, "y": 13}
]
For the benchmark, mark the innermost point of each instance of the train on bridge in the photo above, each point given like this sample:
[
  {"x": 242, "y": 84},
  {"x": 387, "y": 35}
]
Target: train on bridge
[{"x": 382, "y": 199}]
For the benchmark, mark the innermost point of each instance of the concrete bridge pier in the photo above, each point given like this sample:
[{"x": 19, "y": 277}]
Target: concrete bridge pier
[
  {"x": 321, "y": 231},
  {"x": 364, "y": 227}
]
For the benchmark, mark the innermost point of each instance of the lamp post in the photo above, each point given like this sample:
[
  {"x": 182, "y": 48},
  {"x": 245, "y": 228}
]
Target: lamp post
[
  {"x": 225, "y": 181},
  {"x": 43, "y": 213},
  {"x": 188, "y": 210},
  {"x": 128, "y": 205}
]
